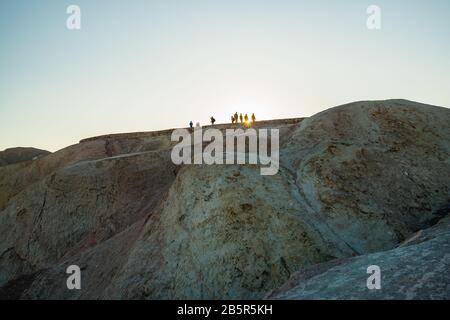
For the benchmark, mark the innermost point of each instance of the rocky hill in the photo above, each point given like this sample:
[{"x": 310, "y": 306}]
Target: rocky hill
[
  {"x": 16, "y": 155},
  {"x": 360, "y": 184}
]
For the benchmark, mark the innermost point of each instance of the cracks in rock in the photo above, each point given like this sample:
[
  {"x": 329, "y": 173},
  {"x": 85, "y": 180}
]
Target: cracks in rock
[
  {"x": 285, "y": 266},
  {"x": 36, "y": 222},
  {"x": 108, "y": 148},
  {"x": 43, "y": 205},
  {"x": 316, "y": 220},
  {"x": 17, "y": 255},
  {"x": 441, "y": 214},
  {"x": 6, "y": 251}
]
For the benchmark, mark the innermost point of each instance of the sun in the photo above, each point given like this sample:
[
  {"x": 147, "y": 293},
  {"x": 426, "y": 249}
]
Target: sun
[{"x": 262, "y": 107}]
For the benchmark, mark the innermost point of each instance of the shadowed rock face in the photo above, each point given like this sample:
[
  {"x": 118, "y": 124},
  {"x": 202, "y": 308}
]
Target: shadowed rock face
[
  {"x": 417, "y": 269},
  {"x": 76, "y": 199},
  {"x": 356, "y": 186}
]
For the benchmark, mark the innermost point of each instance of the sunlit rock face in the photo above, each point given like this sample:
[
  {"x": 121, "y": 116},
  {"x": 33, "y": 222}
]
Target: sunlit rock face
[
  {"x": 222, "y": 232},
  {"x": 375, "y": 171},
  {"x": 355, "y": 182}
]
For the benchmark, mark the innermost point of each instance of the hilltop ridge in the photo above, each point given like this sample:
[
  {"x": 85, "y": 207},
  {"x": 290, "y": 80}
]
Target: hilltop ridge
[{"x": 220, "y": 126}]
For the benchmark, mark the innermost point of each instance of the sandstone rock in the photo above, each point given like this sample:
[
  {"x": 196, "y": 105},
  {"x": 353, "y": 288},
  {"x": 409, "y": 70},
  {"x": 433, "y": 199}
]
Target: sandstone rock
[
  {"x": 77, "y": 206},
  {"x": 209, "y": 241},
  {"x": 418, "y": 271},
  {"x": 376, "y": 171},
  {"x": 356, "y": 182}
]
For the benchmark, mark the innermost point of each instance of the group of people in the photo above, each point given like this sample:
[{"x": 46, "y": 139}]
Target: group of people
[
  {"x": 234, "y": 119},
  {"x": 244, "y": 119},
  {"x": 191, "y": 124}
]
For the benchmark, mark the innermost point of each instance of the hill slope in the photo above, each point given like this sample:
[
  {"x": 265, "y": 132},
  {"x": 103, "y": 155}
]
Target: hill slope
[
  {"x": 16, "y": 155},
  {"x": 354, "y": 180}
]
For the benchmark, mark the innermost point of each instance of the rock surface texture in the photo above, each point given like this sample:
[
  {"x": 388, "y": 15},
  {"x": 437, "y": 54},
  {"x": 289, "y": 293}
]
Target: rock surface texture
[{"x": 362, "y": 184}]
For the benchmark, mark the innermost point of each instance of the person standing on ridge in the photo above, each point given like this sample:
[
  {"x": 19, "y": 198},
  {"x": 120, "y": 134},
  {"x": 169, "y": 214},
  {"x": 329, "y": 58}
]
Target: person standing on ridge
[
  {"x": 253, "y": 118},
  {"x": 232, "y": 119},
  {"x": 241, "y": 118},
  {"x": 246, "y": 118},
  {"x": 236, "y": 117},
  {"x": 213, "y": 120},
  {"x": 191, "y": 125}
]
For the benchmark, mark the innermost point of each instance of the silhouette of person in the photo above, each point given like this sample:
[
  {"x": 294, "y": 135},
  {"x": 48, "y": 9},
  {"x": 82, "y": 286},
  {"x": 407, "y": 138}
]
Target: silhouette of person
[
  {"x": 246, "y": 118},
  {"x": 253, "y": 118},
  {"x": 236, "y": 117},
  {"x": 240, "y": 117},
  {"x": 213, "y": 120},
  {"x": 232, "y": 119},
  {"x": 191, "y": 125}
]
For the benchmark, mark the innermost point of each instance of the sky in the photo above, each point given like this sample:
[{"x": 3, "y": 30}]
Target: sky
[{"x": 144, "y": 65}]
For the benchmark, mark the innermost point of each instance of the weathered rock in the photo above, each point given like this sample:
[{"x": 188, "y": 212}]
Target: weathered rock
[
  {"x": 376, "y": 171},
  {"x": 78, "y": 206},
  {"x": 221, "y": 234},
  {"x": 415, "y": 271},
  {"x": 354, "y": 180}
]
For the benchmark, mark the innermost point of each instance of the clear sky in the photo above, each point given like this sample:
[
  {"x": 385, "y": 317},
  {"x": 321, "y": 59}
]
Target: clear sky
[{"x": 139, "y": 65}]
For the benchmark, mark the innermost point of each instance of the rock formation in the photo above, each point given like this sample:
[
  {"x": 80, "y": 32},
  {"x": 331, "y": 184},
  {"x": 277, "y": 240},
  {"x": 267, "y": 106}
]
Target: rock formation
[
  {"x": 16, "y": 155},
  {"x": 360, "y": 184}
]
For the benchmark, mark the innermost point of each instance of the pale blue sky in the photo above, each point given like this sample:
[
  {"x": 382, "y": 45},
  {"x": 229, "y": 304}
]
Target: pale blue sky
[{"x": 149, "y": 65}]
